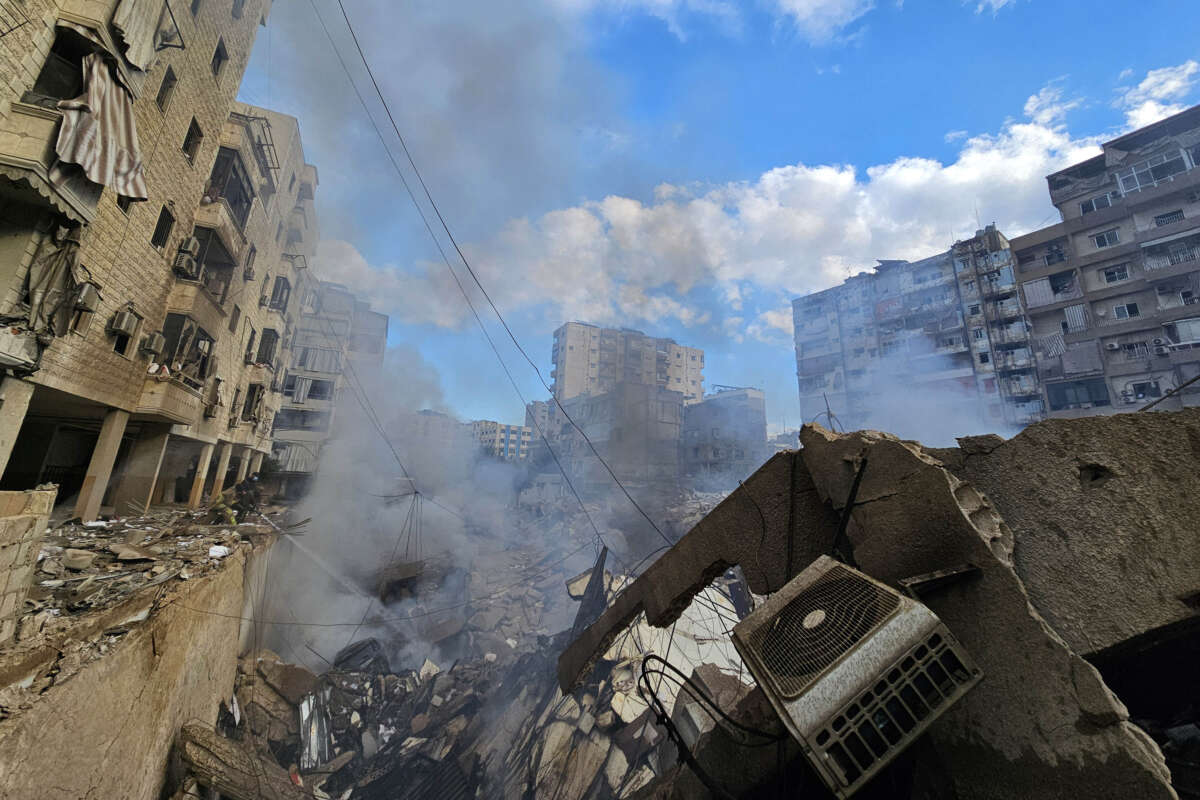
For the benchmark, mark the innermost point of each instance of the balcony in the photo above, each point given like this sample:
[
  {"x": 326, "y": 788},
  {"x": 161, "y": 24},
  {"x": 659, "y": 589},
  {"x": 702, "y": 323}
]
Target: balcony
[
  {"x": 169, "y": 400},
  {"x": 1013, "y": 359},
  {"x": 957, "y": 373},
  {"x": 1160, "y": 261},
  {"x": 1006, "y": 309},
  {"x": 1021, "y": 387},
  {"x": 192, "y": 299},
  {"x": 27, "y": 138},
  {"x": 219, "y": 216}
]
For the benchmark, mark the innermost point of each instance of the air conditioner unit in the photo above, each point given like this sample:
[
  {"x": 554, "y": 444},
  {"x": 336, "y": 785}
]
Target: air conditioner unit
[
  {"x": 1158, "y": 340},
  {"x": 1111, "y": 346},
  {"x": 855, "y": 670},
  {"x": 186, "y": 266},
  {"x": 248, "y": 275},
  {"x": 1161, "y": 350},
  {"x": 190, "y": 246},
  {"x": 87, "y": 297},
  {"x": 154, "y": 344},
  {"x": 124, "y": 323}
]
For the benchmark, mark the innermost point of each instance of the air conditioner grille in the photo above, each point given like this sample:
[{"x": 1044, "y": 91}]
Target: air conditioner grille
[{"x": 819, "y": 626}]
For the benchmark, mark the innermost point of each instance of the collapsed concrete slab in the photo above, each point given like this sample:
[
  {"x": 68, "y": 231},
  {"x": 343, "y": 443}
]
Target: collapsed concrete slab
[
  {"x": 1042, "y": 723},
  {"x": 1105, "y": 512}
]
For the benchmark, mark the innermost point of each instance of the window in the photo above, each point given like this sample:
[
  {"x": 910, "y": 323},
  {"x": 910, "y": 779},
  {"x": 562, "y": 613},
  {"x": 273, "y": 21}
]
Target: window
[
  {"x": 220, "y": 56},
  {"x": 1126, "y": 311},
  {"x": 978, "y": 333},
  {"x": 1054, "y": 254},
  {"x": 166, "y": 89},
  {"x": 1116, "y": 274},
  {"x": 229, "y": 182},
  {"x": 191, "y": 142},
  {"x": 1148, "y": 173},
  {"x": 292, "y": 182},
  {"x": 1079, "y": 394},
  {"x": 1106, "y": 239},
  {"x": 267, "y": 346},
  {"x": 280, "y": 294},
  {"x": 195, "y": 7},
  {"x": 249, "y": 355},
  {"x": 973, "y": 309},
  {"x": 1168, "y": 218},
  {"x": 984, "y": 358},
  {"x": 124, "y": 203},
  {"x": 1095, "y": 204},
  {"x": 121, "y": 341},
  {"x": 162, "y": 230},
  {"x": 251, "y": 409},
  {"x": 235, "y": 318},
  {"x": 321, "y": 390},
  {"x": 189, "y": 349},
  {"x": 279, "y": 233},
  {"x": 61, "y": 77},
  {"x": 238, "y": 7},
  {"x": 1135, "y": 351},
  {"x": 1145, "y": 389},
  {"x": 248, "y": 269}
]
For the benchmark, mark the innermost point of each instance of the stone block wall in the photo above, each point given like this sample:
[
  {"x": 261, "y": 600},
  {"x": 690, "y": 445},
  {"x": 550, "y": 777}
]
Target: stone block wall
[{"x": 23, "y": 517}]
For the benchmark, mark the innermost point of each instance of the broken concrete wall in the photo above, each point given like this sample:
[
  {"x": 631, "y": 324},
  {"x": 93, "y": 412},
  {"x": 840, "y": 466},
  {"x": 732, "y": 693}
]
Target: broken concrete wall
[
  {"x": 1104, "y": 511},
  {"x": 115, "y": 718},
  {"x": 23, "y": 518},
  {"x": 1041, "y": 723}
]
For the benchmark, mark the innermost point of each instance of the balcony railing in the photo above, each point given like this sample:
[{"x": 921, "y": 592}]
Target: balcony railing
[
  {"x": 1166, "y": 260},
  {"x": 171, "y": 400},
  {"x": 1167, "y": 219}
]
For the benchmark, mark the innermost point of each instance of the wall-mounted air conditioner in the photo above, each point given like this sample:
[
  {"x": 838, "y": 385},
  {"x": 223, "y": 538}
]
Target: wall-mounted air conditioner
[
  {"x": 87, "y": 297},
  {"x": 153, "y": 344},
  {"x": 124, "y": 323},
  {"x": 186, "y": 267},
  {"x": 1158, "y": 340},
  {"x": 1111, "y": 346},
  {"x": 855, "y": 670},
  {"x": 1161, "y": 350}
]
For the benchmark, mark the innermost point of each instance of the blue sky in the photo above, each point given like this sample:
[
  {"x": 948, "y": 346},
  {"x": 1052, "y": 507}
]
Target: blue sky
[{"x": 686, "y": 167}]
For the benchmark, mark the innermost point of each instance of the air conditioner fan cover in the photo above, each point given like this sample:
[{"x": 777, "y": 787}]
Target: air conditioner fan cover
[{"x": 819, "y": 626}]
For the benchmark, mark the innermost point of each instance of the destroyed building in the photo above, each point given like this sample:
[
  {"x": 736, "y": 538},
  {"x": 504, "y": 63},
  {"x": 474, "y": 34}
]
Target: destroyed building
[{"x": 724, "y": 436}]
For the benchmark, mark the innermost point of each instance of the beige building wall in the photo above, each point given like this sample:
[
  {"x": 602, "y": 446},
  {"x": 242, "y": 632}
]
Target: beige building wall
[{"x": 591, "y": 360}]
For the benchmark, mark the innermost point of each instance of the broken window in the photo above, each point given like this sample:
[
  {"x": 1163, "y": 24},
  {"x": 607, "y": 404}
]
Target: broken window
[
  {"x": 252, "y": 408},
  {"x": 216, "y": 264},
  {"x": 191, "y": 142},
  {"x": 162, "y": 230},
  {"x": 1078, "y": 394},
  {"x": 220, "y": 56},
  {"x": 267, "y": 346},
  {"x": 1106, "y": 238},
  {"x": 1095, "y": 204},
  {"x": 166, "y": 89},
  {"x": 281, "y": 292},
  {"x": 188, "y": 349},
  {"x": 1116, "y": 274},
  {"x": 1055, "y": 254},
  {"x": 61, "y": 77},
  {"x": 229, "y": 182},
  {"x": 1126, "y": 311},
  {"x": 1135, "y": 351}
]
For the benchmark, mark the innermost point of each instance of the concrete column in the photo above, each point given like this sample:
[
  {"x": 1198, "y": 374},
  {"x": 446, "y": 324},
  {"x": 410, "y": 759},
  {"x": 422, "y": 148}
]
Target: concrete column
[
  {"x": 256, "y": 462},
  {"x": 197, "y": 493},
  {"x": 222, "y": 467},
  {"x": 95, "y": 482},
  {"x": 243, "y": 464},
  {"x": 135, "y": 492},
  {"x": 14, "y": 402}
]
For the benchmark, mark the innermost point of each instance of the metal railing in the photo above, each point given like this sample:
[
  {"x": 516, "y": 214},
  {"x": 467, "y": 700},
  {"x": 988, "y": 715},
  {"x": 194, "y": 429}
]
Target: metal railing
[{"x": 1164, "y": 260}]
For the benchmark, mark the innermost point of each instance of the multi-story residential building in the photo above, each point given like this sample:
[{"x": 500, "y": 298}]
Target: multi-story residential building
[
  {"x": 339, "y": 344},
  {"x": 508, "y": 442},
  {"x": 538, "y": 414},
  {"x": 724, "y": 436},
  {"x": 948, "y": 327},
  {"x": 1113, "y": 290},
  {"x": 134, "y": 228},
  {"x": 590, "y": 360}
]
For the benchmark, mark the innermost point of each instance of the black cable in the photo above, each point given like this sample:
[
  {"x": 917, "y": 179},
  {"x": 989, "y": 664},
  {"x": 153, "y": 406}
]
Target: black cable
[
  {"x": 475, "y": 278},
  {"x": 700, "y": 695}
]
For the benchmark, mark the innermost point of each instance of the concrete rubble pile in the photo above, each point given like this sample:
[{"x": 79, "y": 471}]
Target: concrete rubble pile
[{"x": 1072, "y": 554}]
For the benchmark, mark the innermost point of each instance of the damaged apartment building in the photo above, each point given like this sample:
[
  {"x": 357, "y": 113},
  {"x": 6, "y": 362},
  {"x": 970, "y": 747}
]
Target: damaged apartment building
[
  {"x": 154, "y": 244},
  {"x": 1095, "y": 314}
]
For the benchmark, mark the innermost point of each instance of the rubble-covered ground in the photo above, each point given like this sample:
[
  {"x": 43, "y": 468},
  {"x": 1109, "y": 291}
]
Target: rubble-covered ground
[{"x": 464, "y": 701}]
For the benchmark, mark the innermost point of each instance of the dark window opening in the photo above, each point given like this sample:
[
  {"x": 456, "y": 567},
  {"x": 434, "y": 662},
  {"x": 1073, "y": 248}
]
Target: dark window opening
[
  {"x": 220, "y": 56},
  {"x": 252, "y": 408},
  {"x": 189, "y": 349},
  {"x": 238, "y": 7},
  {"x": 248, "y": 273},
  {"x": 216, "y": 264},
  {"x": 191, "y": 142},
  {"x": 61, "y": 77},
  {"x": 1078, "y": 394},
  {"x": 235, "y": 318},
  {"x": 195, "y": 7},
  {"x": 280, "y": 294},
  {"x": 248, "y": 357},
  {"x": 166, "y": 89},
  {"x": 124, "y": 203},
  {"x": 229, "y": 182},
  {"x": 162, "y": 230},
  {"x": 267, "y": 346}
]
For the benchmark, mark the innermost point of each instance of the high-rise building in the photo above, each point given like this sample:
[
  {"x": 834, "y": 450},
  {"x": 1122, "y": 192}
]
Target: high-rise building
[
  {"x": 589, "y": 360},
  {"x": 1113, "y": 290},
  {"x": 508, "y": 442},
  {"x": 724, "y": 436},
  {"x": 144, "y": 268},
  {"x": 948, "y": 330},
  {"x": 538, "y": 414}
]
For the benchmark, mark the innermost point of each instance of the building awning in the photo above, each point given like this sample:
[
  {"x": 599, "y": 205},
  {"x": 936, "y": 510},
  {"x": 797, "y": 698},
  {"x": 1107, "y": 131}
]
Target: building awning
[
  {"x": 1171, "y": 238},
  {"x": 41, "y": 187}
]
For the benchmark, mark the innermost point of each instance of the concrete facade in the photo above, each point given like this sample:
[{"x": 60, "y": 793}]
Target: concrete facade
[
  {"x": 23, "y": 517},
  {"x": 589, "y": 360},
  {"x": 182, "y": 310},
  {"x": 1112, "y": 291},
  {"x": 509, "y": 442},
  {"x": 724, "y": 436}
]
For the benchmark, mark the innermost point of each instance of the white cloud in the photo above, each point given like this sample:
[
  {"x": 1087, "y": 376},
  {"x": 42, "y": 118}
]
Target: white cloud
[
  {"x": 821, "y": 20},
  {"x": 723, "y": 255},
  {"x": 725, "y": 12},
  {"x": 1155, "y": 97},
  {"x": 954, "y": 136},
  {"x": 993, "y": 5}
]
